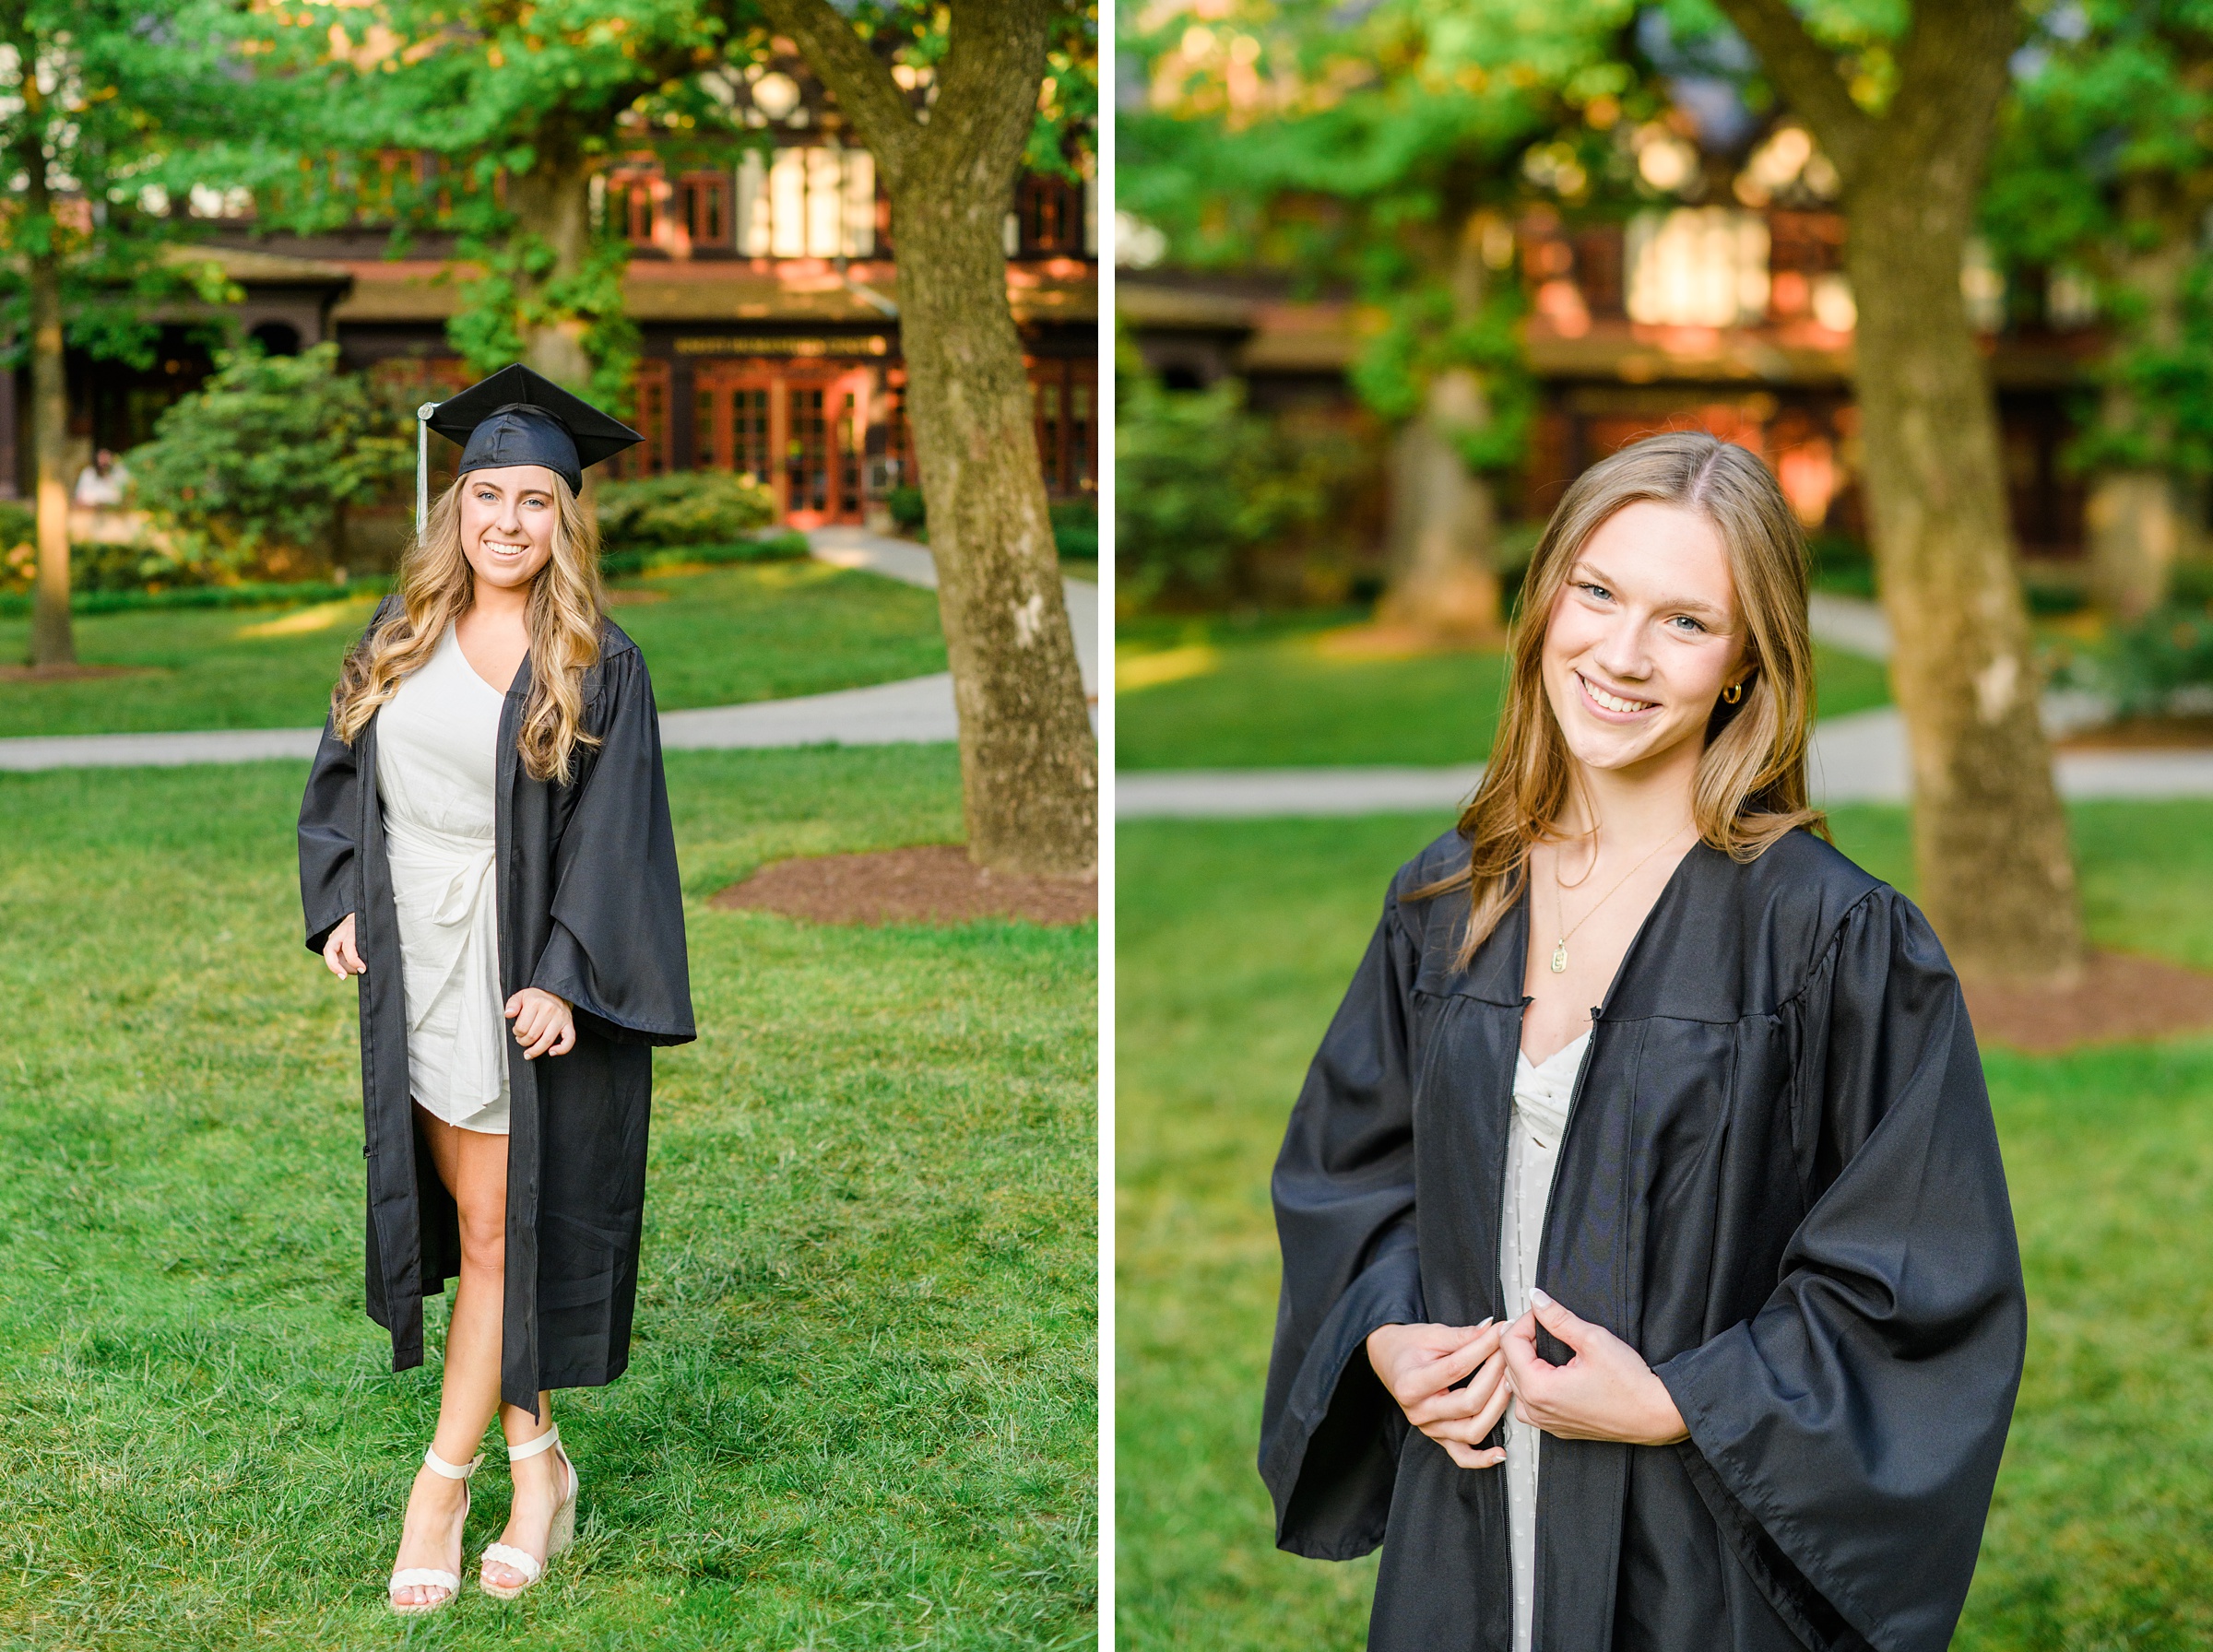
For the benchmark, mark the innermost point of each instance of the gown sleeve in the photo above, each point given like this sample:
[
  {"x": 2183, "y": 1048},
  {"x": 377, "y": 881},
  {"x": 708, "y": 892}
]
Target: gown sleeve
[
  {"x": 616, "y": 949},
  {"x": 330, "y": 816},
  {"x": 1344, "y": 1195},
  {"x": 330, "y": 878},
  {"x": 1859, "y": 1416}
]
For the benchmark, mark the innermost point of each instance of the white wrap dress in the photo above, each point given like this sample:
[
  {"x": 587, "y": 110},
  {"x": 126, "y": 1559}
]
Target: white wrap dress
[
  {"x": 437, "y": 746},
  {"x": 1542, "y": 1096}
]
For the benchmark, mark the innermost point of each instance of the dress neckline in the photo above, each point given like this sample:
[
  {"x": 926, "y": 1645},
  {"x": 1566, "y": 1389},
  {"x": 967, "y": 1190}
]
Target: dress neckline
[
  {"x": 453, "y": 641},
  {"x": 1557, "y": 1058}
]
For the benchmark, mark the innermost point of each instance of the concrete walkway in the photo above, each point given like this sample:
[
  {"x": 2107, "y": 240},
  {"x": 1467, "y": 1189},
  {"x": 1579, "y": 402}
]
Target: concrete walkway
[
  {"x": 917, "y": 710},
  {"x": 1858, "y": 759}
]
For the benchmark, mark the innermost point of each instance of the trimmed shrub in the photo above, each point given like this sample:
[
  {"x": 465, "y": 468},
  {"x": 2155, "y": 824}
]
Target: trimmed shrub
[
  {"x": 250, "y": 473},
  {"x": 685, "y": 507},
  {"x": 906, "y": 507},
  {"x": 1076, "y": 528}
]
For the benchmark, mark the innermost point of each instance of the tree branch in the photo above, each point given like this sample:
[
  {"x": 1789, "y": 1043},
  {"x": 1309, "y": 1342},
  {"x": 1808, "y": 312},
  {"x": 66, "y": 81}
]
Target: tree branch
[
  {"x": 858, "y": 79},
  {"x": 1806, "y": 73},
  {"x": 1952, "y": 76},
  {"x": 987, "y": 86}
]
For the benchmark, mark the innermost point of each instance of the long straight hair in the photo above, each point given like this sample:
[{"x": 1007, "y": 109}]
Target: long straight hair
[
  {"x": 1750, "y": 788},
  {"x": 437, "y": 587}
]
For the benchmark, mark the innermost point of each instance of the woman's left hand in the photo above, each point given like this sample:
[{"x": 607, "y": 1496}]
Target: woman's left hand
[
  {"x": 544, "y": 1024},
  {"x": 1605, "y": 1392}
]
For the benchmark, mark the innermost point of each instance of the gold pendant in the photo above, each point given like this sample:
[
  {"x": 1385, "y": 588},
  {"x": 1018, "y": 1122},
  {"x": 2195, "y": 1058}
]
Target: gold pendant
[{"x": 1559, "y": 959}]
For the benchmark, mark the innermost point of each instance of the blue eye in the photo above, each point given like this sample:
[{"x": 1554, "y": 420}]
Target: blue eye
[{"x": 1687, "y": 620}]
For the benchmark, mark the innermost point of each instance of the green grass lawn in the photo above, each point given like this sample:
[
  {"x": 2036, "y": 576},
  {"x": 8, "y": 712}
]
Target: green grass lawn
[
  {"x": 1235, "y": 940},
  {"x": 1227, "y": 700},
  {"x": 861, "y": 1409},
  {"x": 713, "y": 637}
]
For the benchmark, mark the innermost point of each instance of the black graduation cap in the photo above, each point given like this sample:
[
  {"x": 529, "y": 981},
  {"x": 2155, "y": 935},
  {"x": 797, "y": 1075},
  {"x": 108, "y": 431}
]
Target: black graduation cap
[{"x": 516, "y": 417}]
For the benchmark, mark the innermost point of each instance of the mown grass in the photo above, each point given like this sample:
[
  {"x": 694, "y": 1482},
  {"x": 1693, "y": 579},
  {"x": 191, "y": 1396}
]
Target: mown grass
[
  {"x": 861, "y": 1409},
  {"x": 1234, "y": 942},
  {"x": 712, "y": 637},
  {"x": 1212, "y": 697}
]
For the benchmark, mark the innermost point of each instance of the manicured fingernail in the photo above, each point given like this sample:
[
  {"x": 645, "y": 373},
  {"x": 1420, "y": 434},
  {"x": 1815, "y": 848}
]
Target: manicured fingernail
[{"x": 1539, "y": 1297}]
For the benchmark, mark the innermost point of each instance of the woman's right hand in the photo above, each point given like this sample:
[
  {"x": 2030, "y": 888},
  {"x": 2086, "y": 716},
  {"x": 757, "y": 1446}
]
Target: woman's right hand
[
  {"x": 341, "y": 953},
  {"x": 1419, "y": 1363}
]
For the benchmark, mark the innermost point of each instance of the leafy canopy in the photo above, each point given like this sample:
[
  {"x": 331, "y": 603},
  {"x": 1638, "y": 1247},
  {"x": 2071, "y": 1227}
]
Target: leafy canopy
[{"x": 127, "y": 110}]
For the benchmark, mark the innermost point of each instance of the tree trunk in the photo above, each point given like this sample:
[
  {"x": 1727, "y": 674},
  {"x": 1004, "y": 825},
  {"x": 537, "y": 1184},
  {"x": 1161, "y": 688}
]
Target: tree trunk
[
  {"x": 2140, "y": 527},
  {"x": 1444, "y": 524},
  {"x": 1029, "y": 763},
  {"x": 2139, "y": 516},
  {"x": 551, "y": 203},
  {"x": 1444, "y": 517},
  {"x": 1990, "y": 838},
  {"x": 51, "y": 642}
]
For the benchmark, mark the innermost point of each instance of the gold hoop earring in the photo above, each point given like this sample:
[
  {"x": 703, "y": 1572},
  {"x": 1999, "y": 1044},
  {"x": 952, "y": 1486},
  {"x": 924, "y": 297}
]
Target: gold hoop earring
[{"x": 1734, "y": 692}]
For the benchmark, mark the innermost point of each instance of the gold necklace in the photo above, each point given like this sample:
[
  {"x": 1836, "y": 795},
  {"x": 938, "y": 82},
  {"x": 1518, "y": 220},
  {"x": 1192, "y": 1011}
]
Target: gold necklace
[{"x": 1560, "y": 905}]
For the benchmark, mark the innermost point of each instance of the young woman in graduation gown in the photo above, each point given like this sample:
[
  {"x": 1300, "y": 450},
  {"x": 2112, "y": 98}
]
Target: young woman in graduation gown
[
  {"x": 485, "y": 842},
  {"x": 1649, "y": 1276}
]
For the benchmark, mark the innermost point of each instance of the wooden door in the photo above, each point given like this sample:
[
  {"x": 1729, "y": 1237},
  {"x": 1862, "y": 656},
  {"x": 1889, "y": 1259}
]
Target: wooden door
[{"x": 800, "y": 431}]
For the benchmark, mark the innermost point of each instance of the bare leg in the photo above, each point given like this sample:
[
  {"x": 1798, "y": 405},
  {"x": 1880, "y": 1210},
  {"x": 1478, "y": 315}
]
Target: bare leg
[
  {"x": 474, "y": 1168},
  {"x": 540, "y": 1484}
]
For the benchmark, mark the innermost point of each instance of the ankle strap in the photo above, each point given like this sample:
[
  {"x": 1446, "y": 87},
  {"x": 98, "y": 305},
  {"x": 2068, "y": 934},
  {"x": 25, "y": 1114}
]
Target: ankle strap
[
  {"x": 545, "y": 1441},
  {"x": 438, "y": 1465}
]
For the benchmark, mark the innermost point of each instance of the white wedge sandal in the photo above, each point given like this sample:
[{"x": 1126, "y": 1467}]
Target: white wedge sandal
[
  {"x": 429, "y": 1577},
  {"x": 561, "y": 1535}
]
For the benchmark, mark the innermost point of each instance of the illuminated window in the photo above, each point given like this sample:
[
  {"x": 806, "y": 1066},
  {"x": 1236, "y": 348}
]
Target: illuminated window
[
  {"x": 815, "y": 201},
  {"x": 1698, "y": 267}
]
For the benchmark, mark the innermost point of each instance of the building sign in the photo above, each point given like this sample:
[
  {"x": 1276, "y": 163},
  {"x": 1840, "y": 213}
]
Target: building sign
[{"x": 782, "y": 346}]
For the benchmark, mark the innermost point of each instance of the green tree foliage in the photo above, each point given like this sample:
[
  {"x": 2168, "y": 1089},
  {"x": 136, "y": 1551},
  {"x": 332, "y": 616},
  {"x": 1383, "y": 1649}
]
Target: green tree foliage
[
  {"x": 2103, "y": 175},
  {"x": 518, "y": 105},
  {"x": 253, "y": 472},
  {"x": 1384, "y": 149},
  {"x": 123, "y": 101},
  {"x": 103, "y": 106},
  {"x": 1202, "y": 481}
]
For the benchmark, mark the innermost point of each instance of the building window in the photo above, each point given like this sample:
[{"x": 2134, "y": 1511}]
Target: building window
[
  {"x": 1048, "y": 434},
  {"x": 649, "y": 457},
  {"x": 632, "y": 207},
  {"x": 816, "y": 201},
  {"x": 1704, "y": 267},
  {"x": 704, "y": 199}
]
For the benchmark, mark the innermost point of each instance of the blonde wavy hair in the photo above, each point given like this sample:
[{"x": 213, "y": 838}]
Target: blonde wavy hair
[
  {"x": 1750, "y": 787},
  {"x": 437, "y": 587}
]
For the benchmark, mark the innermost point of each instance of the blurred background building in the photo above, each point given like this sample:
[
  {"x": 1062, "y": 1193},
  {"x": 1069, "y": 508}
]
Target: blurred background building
[
  {"x": 1731, "y": 315},
  {"x": 764, "y": 293}
]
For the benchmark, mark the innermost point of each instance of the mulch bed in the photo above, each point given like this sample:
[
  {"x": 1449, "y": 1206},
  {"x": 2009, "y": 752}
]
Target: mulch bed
[
  {"x": 932, "y": 884},
  {"x": 70, "y": 672},
  {"x": 2118, "y": 997},
  {"x": 2142, "y": 734}
]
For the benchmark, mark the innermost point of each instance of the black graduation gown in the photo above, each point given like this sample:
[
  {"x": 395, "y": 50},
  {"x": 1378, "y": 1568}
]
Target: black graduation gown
[
  {"x": 589, "y": 908},
  {"x": 1780, "y": 1183}
]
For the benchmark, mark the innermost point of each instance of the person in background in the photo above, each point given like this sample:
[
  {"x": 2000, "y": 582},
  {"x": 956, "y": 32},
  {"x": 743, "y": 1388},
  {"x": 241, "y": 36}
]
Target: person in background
[{"x": 105, "y": 483}]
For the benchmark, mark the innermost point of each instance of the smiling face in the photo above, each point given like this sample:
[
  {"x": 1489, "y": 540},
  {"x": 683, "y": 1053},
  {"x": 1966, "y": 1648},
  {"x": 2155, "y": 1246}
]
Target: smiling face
[
  {"x": 507, "y": 522},
  {"x": 1642, "y": 638}
]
